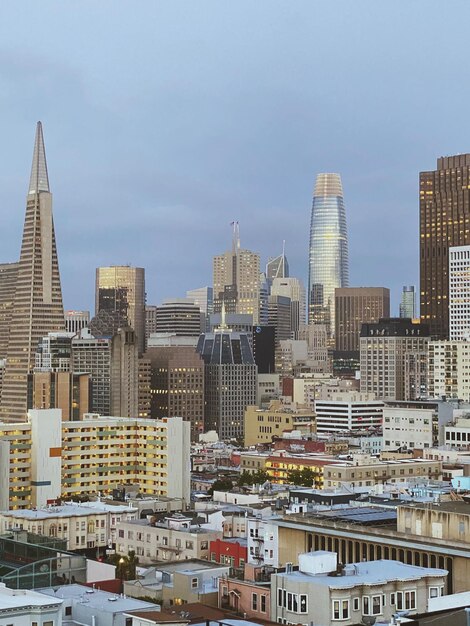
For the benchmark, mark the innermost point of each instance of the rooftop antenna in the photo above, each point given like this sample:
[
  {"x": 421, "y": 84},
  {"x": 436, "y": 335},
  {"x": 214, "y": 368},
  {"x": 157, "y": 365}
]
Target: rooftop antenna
[{"x": 235, "y": 236}]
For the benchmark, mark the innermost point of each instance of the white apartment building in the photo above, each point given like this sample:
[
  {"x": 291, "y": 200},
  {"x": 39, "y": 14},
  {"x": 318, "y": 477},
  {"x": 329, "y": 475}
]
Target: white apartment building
[
  {"x": 175, "y": 537},
  {"x": 415, "y": 425},
  {"x": 45, "y": 458},
  {"x": 459, "y": 293},
  {"x": 83, "y": 526},
  {"x": 263, "y": 542},
  {"x": 23, "y": 607},
  {"x": 457, "y": 434},
  {"x": 322, "y": 593},
  {"x": 449, "y": 369},
  {"x": 338, "y": 410}
]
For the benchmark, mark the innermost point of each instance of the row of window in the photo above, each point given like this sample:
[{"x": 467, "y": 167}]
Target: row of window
[{"x": 297, "y": 603}]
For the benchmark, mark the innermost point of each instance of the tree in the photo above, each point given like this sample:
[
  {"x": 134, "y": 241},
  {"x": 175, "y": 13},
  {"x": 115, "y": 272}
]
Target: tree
[
  {"x": 301, "y": 478},
  {"x": 221, "y": 484},
  {"x": 257, "y": 478},
  {"x": 125, "y": 565}
]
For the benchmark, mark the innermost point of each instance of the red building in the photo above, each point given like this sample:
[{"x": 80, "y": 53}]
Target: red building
[{"x": 231, "y": 552}]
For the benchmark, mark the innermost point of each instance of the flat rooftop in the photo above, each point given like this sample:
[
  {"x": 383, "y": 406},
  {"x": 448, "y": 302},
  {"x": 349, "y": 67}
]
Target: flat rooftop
[
  {"x": 367, "y": 573},
  {"x": 102, "y": 601}
]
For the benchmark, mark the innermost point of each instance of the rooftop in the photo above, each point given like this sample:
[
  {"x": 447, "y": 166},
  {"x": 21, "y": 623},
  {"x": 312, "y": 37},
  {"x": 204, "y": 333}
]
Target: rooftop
[
  {"x": 96, "y": 599},
  {"x": 19, "y": 598},
  {"x": 67, "y": 510},
  {"x": 368, "y": 573}
]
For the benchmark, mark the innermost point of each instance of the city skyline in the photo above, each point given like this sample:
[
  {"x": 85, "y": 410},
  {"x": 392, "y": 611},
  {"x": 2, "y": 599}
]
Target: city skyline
[{"x": 159, "y": 160}]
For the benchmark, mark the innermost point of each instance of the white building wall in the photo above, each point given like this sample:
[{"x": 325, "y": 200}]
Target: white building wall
[
  {"x": 459, "y": 293},
  {"x": 46, "y": 461},
  {"x": 408, "y": 428},
  {"x": 179, "y": 446}
]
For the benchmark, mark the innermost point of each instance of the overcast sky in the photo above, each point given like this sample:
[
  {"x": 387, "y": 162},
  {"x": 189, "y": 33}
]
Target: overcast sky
[{"x": 166, "y": 120}]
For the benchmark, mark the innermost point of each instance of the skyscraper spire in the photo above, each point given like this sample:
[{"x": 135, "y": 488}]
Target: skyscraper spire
[
  {"x": 37, "y": 306},
  {"x": 39, "y": 181}
]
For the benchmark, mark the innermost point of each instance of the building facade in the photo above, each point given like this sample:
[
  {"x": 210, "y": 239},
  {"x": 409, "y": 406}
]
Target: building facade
[
  {"x": 236, "y": 280},
  {"x": 76, "y": 320},
  {"x": 459, "y": 293},
  {"x": 408, "y": 302},
  {"x": 328, "y": 250},
  {"x": 37, "y": 307},
  {"x": 46, "y": 458},
  {"x": 355, "y": 306},
  {"x": 120, "y": 289},
  {"x": 177, "y": 384},
  {"x": 179, "y": 316},
  {"x": 449, "y": 365},
  {"x": 444, "y": 203},
  {"x": 393, "y": 354},
  {"x": 230, "y": 380}
]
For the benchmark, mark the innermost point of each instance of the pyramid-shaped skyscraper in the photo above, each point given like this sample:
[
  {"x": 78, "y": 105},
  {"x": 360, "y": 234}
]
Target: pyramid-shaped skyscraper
[{"x": 37, "y": 307}]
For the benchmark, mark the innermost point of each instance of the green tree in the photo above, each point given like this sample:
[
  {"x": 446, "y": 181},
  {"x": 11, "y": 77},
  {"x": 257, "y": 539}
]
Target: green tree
[
  {"x": 257, "y": 478},
  {"x": 125, "y": 565},
  {"x": 221, "y": 484},
  {"x": 301, "y": 478}
]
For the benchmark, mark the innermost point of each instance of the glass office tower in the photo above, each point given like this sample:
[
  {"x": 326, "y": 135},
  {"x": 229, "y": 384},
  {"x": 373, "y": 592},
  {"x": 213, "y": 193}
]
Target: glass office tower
[{"x": 328, "y": 250}]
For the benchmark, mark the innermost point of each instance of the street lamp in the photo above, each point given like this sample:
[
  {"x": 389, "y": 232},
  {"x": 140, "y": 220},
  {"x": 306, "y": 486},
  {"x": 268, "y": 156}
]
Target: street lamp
[{"x": 121, "y": 571}]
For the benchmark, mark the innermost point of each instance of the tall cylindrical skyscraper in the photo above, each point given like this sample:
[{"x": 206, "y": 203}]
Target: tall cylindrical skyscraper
[{"x": 328, "y": 250}]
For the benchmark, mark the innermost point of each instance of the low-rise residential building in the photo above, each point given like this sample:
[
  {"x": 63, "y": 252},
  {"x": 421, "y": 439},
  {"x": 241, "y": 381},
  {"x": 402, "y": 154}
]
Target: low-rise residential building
[
  {"x": 322, "y": 592},
  {"x": 227, "y": 551},
  {"x": 83, "y": 526},
  {"x": 178, "y": 582},
  {"x": 366, "y": 471},
  {"x": 261, "y": 425},
  {"x": 457, "y": 433},
  {"x": 82, "y": 605},
  {"x": 253, "y": 462},
  {"x": 174, "y": 537},
  {"x": 23, "y": 607},
  {"x": 246, "y": 597},
  {"x": 263, "y": 545}
]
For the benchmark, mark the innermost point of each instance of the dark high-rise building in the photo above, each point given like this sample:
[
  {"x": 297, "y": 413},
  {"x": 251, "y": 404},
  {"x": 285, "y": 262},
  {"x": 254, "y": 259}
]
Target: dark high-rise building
[
  {"x": 444, "y": 201},
  {"x": 37, "y": 306},
  {"x": 120, "y": 292},
  {"x": 230, "y": 380},
  {"x": 264, "y": 348},
  {"x": 174, "y": 384},
  {"x": 355, "y": 306}
]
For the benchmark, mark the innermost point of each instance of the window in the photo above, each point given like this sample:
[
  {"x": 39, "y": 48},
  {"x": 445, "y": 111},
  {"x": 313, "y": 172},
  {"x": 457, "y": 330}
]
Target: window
[
  {"x": 204, "y": 545},
  {"x": 303, "y": 603},
  {"x": 190, "y": 545},
  {"x": 194, "y": 583},
  {"x": 410, "y": 600},
  {"x": 340, "y": 609},
  {"x": 433, "y": 592},
  {"x": 263, "y": 604},
  {"x": 392, "y": 599},
  {"x": 279, "y": 597},
  {"x": 68, "y": 610},
  {"x": 376, "y": 605},
  {"x": 365, "y": 605},
  {"x": 254, "y": 601},
  {"x": 356, "y": 604}
]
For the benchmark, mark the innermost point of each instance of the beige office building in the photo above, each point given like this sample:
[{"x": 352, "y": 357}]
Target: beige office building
[{"x": 236, "y": 280}]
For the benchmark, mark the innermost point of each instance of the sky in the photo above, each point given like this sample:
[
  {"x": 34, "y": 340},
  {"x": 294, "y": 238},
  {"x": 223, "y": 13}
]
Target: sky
[{"x": 164, "y": 121}]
